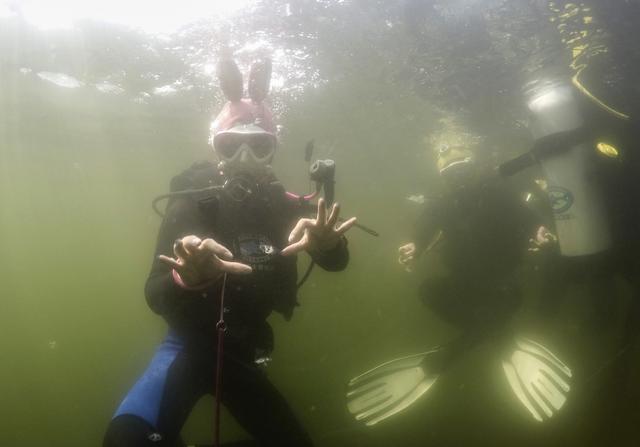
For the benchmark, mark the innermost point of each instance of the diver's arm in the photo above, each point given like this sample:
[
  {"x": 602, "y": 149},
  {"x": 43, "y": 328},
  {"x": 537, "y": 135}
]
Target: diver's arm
[
  {"x": 163, "y": 294},
  {"x": 333, "y": 260},
  {"x": 427, "y": 230},
  {"x": 426, "y": 235},
  {"x": 534, "y": 221}
]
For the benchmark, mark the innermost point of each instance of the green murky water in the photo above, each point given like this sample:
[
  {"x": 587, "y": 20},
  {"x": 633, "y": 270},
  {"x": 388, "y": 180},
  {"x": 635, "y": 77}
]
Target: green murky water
[{"x": 95, "y": 120}]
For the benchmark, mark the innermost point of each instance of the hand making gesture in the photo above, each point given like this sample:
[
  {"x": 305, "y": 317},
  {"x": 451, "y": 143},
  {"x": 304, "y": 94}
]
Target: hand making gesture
[
  {"x": 198, "y": 261},
  {"x": 319, "y": 234}
]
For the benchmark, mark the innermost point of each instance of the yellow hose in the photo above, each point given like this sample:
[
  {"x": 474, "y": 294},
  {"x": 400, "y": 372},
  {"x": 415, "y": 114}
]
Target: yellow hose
[{"x": 576, "y": 82}]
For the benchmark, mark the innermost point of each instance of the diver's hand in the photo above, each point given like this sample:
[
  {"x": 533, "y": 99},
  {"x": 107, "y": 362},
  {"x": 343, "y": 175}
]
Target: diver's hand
[
  {"x": 319, "y": 234},
  {"x": 198, "y": 261},
  {"x": 543, "y": 239},
  {"x": 407, "y": 255}
]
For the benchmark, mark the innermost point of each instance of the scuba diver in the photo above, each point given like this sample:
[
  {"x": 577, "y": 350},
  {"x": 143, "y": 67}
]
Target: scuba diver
[
  {"x": 225, "y": 259},
  {"x": 586, "y": 132},
  {"x": 586, "y": 155},
  {"x": 480, "y": 229}
]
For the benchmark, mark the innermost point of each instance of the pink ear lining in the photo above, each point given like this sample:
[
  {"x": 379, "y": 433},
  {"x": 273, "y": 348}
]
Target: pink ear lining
[
  {"x": 231, "y": 81},
  {"x": 244, "y": 111},
  {"x": 239, "y": 110}
]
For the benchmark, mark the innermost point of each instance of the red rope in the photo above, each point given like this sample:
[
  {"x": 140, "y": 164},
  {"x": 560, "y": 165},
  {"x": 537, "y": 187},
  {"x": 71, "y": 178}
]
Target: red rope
[{"x": 221, "y": 328}]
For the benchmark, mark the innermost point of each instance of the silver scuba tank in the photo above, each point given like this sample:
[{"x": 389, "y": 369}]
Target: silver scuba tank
[{"x": 576, "y": 199}]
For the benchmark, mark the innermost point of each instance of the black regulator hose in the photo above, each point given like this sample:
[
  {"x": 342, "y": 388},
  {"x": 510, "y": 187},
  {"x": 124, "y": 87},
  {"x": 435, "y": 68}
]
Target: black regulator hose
[{"x": 186, "y": 192}]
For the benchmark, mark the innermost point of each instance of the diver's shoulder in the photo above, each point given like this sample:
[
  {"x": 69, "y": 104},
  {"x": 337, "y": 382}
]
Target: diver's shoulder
[
  {"x": 500, "y": 189},
  {"x": 199, "y": 175},
  {"x": 437, "y": 203}
]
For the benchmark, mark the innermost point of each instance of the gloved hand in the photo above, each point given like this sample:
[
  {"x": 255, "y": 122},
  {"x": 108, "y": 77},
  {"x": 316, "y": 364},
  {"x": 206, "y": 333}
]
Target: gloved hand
[
  {"x": 543, "y": 239},
  {"x": 407, "y": 256},
  {"x": 199, "y": 261}
]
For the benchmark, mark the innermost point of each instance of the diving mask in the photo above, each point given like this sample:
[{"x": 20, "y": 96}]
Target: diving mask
[
  {"x": 246, "y": 143},
  {"x": 453, "y": 158}
]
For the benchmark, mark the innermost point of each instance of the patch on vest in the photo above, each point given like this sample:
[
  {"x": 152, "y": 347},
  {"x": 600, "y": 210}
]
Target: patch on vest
[{"x": 256, "y": 250}]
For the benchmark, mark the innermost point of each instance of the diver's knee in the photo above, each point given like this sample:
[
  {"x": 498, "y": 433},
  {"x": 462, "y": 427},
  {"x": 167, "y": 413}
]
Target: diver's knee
[{"x": 131, "y": 431}]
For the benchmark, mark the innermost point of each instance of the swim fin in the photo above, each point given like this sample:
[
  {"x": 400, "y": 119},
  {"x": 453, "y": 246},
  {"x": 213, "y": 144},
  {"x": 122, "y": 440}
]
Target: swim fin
[
  {"x": 538, "y": 378},
  {"x": 391, "y": 387}
]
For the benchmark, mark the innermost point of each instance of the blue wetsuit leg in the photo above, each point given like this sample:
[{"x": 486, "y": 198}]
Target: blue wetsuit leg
[
  {"x": 154, "y": 411},
  {"x": 158, "y": 404},
  {"x": 145, "y": 398}
]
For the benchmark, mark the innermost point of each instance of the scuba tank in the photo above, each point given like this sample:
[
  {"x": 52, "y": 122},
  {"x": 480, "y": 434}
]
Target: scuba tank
[{"x": 576, "y": 200}]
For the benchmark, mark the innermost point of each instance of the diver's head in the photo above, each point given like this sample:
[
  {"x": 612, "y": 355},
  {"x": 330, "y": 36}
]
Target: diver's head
[
  {"x": 454, "y": 147},
  {"x": 243, "y": 135},
  {"x": 456, "y": 166},
  {"x": 247, "y": 148}
]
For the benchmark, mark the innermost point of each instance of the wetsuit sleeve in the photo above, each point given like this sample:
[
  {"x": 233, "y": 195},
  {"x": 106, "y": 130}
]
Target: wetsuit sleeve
[
  {"x": 524, "y": 219},
  {"x": 333, "y": 260},
  {"x": 427, "y": 226},
  {"x": 163, "y": 295},
  {"x": 537, "y": 210}
]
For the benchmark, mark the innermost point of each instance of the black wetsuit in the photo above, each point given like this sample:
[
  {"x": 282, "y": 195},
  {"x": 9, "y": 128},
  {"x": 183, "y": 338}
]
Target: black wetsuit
[
  {"x": 183, "y": 369},
  {"x": 485, "y": 231}
]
